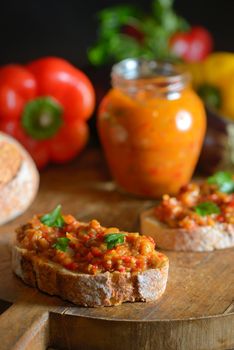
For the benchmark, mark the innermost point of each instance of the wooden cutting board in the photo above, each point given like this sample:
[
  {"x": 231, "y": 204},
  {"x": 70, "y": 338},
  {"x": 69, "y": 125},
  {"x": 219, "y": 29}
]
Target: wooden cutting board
[{"x": 196, "y": 311}]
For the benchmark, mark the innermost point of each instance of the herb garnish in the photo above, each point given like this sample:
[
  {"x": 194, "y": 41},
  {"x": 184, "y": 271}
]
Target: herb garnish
[
  {"x": 206, "y": 208},
  {"x": 54, "y": 218},
  {"x": 223, "y": 180},
  {"x": 61, "y": 243},
  {"x": 127, "y": 31},
  {"x": 112, "y": 239}
]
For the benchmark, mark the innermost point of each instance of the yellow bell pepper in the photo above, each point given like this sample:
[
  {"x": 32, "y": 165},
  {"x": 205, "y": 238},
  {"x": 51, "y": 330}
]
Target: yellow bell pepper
[
  {"x": 214, "y": 80},
  {"x": 196, "y": 71},
  {"x": 216, "y": 66},
  {"x": 226, "y": 87}
]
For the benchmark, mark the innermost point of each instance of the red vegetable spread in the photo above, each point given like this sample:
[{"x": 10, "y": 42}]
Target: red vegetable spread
[
  {"x": 151, "y": 143},
  {"x": 196, "y": 205},
  {"x": 89, "y": 247}
]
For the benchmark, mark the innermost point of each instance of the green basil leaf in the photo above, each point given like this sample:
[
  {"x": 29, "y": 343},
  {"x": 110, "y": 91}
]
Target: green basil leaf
[
  {"x": 223, "y": 180},
  {"x": 207, "y": 208},
  {"x": 227, "y": 187},
  {"x": 54, "y": 218},
  {"x": 98, "y": 54},
  {"x": 156, "y": 39},
  {"x": 61, "y": 243},
  {"x": 112, "y": 239},
  {"x": 122, "y": 46},
  {"x": 113, "y": 17}
]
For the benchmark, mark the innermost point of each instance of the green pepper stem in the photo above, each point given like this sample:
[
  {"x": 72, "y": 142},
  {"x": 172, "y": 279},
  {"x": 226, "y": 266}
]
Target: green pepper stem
[
  {"x": 211, "y": 95},
  {"x": 42, "y": 118}
]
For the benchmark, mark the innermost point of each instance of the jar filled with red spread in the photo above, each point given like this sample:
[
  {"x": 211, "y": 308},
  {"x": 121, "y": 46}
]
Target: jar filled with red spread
[{"x": 151, "y": 125}]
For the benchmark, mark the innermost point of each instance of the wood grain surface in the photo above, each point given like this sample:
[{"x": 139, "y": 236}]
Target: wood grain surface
[{"x": 196, "y": 311}]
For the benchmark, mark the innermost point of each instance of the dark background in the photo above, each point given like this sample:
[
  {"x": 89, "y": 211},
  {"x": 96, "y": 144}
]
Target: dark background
[{"x": 66, "y": 28}]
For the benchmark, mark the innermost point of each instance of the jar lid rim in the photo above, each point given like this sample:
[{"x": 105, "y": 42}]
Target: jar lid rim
[
  {"x": 137, "y": 68},
  {"x": 140, "y": 71}
]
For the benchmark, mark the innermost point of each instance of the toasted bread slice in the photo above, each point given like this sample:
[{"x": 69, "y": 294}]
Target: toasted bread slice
[
  {"x": 19, "y": 179},
  {"x": 104, "y": 289},
  {"x": 86, "y": 263},
  {"x": 203, "y": 238}
]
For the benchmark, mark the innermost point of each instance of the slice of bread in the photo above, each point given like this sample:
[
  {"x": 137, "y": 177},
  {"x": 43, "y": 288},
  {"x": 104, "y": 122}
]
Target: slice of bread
[
  {"x": 203, "y": 238},
  {"x": 19, "y": 179},
  {"x": 103, "y": 289}
]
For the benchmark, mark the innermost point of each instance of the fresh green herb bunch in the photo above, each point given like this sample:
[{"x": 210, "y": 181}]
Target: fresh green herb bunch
[{"x": 126, "y": 31}]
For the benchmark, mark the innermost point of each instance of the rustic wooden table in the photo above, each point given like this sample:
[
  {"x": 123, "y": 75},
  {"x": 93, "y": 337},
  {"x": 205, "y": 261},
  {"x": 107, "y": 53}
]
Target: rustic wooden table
[{"x": 196, "y": 311}]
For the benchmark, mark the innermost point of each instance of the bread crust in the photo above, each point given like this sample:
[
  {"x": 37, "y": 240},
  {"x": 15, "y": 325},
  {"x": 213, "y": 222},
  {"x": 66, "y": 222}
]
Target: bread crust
[
  {"x": 17, "y": 194},
  {"x": 104, "y": 289},
  {"x": 206, "y": 238}
]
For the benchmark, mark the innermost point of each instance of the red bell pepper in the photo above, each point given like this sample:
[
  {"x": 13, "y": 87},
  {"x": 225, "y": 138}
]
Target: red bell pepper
[
  {"x": 45, "y": 105},
  {"x": 194, "y": 45}
]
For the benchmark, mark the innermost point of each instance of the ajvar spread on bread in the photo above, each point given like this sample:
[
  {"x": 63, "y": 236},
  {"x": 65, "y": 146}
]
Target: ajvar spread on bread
[
  {"x": 199, "y": 204},
  {"x": 88, "y": 247}
]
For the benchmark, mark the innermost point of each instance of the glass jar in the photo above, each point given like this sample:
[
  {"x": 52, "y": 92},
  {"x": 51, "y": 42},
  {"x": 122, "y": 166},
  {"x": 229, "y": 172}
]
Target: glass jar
[{"x": 151, "y": 125}]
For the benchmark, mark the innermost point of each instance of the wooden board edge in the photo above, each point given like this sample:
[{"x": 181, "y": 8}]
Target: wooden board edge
[{"x": 69, "y": 331}]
